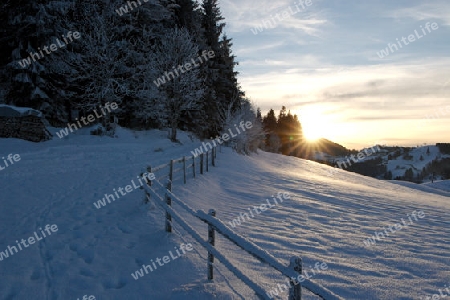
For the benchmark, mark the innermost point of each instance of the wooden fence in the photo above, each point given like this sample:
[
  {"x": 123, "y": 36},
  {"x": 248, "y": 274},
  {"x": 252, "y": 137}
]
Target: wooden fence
[
  {"x": 216, "y": 225},
  {"x": 186, "y": 162}
]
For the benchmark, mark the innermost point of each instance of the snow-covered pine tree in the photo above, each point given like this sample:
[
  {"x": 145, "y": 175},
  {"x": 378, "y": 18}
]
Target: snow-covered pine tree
[
  {"x": 31, "y": 26},
  {"x": 142, "y": 28},
  {"x": 61, "y": 103},
  {"x": 213, "y": 26},
  {"x": 188, "y": 15},
  {"x": 6, "y": 40},
  {"x": 112, "y": 61},
  {"x": 221, "y": 84},
  {"x": 179, "y": 92},
  {"x": 97, "y": 59},
  {"x": 246, "y": 141},
  {"x": 228, "y": 86},
  {"x": 273, "y": 142}
]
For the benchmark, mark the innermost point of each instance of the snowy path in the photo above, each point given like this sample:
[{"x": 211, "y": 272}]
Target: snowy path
[{"x": 94, "y": 250}]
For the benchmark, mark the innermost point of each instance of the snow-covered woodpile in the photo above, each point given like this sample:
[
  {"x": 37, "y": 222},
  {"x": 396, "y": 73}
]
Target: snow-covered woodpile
[{"x": 22, "y": 123}]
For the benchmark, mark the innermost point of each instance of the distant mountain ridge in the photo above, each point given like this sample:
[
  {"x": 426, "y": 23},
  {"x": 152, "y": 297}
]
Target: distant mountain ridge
[{"x": 416, "y": 164}]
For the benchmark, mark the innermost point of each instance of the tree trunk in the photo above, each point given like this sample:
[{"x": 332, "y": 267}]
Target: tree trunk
[{"x": 173, "y": 135}]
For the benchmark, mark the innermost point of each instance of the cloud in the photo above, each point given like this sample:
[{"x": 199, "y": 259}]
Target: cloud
[
  {"x": 326, "y": 58},
  {"x": 268, "y": 15},
  {"x": 435, "y": 10}
]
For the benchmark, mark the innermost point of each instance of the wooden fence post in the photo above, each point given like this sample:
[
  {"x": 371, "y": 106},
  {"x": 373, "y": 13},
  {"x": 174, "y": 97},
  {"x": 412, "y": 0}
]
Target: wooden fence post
[
  {"x": 171, "y": 172},
  {"x": 184, "y": 169},
  {"x": 211, "y": 241},
  {"x": 169, "y": 202},
  {"x": 201, "y": 163},
  {"x": 193, "y": 165},
  {"x": 149, "y": 169},
  {"x": 207, "y": 161},
  {"x": 147, "y": 195},
  {"x": 296, "y": 291}
]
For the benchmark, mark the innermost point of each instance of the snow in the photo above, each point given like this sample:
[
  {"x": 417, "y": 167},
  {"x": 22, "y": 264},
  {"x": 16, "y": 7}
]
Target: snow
[
  {"x": 18, "y": 111},
  {"x": 399, "y": 165},
  {"x": 441, "y": 187},
  {"x": 95, "y": 251},
  {"x": 440, "y": 184}
]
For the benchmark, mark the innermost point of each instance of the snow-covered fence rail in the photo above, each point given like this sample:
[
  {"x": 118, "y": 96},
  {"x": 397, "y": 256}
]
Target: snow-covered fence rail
[
  {"x": 186, "y": 162},
  {"x": 292, "y": 271},
  {"x": 206, "y": 244}
]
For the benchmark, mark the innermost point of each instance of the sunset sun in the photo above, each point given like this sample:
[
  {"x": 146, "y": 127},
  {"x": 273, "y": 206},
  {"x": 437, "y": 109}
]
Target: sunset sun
[
  {"x": 314, "y": 124},
  {"x": 311, "y": 132}
]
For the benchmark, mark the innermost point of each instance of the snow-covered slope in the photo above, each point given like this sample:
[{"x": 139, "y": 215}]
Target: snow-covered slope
[
  {"x": 396, "y": 159},
  {"x": 441, "y": 187},
  {"x": 95, "y": 251},
  {"x": 419, "y": 159},
  {"x": 327, "y": 220}
]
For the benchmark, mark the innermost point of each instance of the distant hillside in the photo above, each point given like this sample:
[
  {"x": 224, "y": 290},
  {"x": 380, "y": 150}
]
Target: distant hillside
[
  {"x": 323, "y": 150},
  {"x": 415, "y": 164}
]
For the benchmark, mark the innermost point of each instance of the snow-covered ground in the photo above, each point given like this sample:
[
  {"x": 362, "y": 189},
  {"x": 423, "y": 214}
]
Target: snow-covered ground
[
  {"x": 95, "y": 251},
  {"x": 440, "y": 187}
]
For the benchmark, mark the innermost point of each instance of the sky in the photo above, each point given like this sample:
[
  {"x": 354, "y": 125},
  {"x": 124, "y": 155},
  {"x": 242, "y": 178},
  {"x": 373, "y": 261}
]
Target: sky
[{"x": 329, "y": 62}]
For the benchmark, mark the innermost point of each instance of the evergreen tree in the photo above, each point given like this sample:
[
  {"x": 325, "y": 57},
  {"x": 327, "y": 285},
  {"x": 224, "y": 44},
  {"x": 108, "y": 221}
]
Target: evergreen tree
[
  {"x": 96, "y": 60},
  {"x": 111, "y": 63},
  {"x": 116, "y": 60},
  {"x": 258, "y": 115},
  {"x": 188, "y": 15},
  {"x": 31, "y": 25},
  {"x": 222, "y": 89},
  {"x": 283, "y": 134},
  {"x": 228, "y": 87},
  {"x": 289, "y": 132},
  {"x": 252, "y": 138},
  {"x": 7, "y": 37},
  {"x": 272, "y": 141},
  {"x": 182, "y": 92},
  {"x": 409, "y": 175},
  {"x": 388, "y": 175}
]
